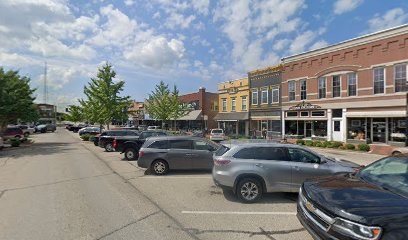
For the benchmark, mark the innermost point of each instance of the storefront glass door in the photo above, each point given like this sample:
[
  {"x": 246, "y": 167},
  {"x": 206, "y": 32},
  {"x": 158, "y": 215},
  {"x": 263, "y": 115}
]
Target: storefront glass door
[
  {"x": 379, "y": 130},
  {"x": 308, "y": 128}
]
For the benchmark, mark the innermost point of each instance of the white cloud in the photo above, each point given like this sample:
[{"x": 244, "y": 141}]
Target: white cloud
[
  {"x": 157, "y": 52},
  {"x": 301, "y": 41},
  {"x": 319, "y": 44},
  {"x": 179, "y": 20},
  {"x": 280, "y": 44},
  {"x": 343, "y": 6},
  {"x": 391, "y": 18},
  {"x": 130, "y": 2}
]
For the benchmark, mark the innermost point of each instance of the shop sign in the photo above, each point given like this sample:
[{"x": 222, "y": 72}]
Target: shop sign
[{"x": 304, "y": 105}]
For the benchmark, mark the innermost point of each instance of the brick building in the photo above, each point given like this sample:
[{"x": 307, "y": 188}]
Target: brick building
[
  {"x": 47, "y": 112},
  {"x": 204, "y": 108},
  {"x": 265, "y": 112},
  {"x": 233, "y": 114},
  {"x": 137, "y": 113},
  {"x": 354, "y": 91}
]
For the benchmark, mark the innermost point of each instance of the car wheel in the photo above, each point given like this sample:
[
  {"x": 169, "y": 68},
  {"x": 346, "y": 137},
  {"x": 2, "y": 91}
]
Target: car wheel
[
  {"x": 249, "y": 190},
  {"x": 396, "y": 153},
  {"x": 109, "y": 147},
  {"x": 26, "y": 134},
  {"x": 131, "y": 154},
  {"x": 18, "y": 137},
  {"x": 160, "y": 167}
]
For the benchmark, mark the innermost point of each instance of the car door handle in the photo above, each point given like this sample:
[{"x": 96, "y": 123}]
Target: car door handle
[
  {"x": 259, "y": 165},
  {"x": 296, "y": 168},
  {"x": 190, "y": 154}
]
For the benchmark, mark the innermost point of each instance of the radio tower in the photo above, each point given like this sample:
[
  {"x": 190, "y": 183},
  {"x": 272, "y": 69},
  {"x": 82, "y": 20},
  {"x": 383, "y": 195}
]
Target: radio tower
[{"x": 45, "y": 82}]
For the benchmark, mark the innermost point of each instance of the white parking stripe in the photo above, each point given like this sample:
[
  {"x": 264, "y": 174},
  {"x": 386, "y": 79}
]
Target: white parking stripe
[{"x": 239, "y": 213}]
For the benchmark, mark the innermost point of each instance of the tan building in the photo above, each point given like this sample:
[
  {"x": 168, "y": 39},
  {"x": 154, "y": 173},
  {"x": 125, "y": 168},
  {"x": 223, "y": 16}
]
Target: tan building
[
  {"x": 354, "y": 91},
  {"x": 233, "y": 114}
]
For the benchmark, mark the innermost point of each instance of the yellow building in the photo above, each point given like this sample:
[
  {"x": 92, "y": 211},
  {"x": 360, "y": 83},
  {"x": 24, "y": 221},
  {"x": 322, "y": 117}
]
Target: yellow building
[{"x": 233, "y": 114}]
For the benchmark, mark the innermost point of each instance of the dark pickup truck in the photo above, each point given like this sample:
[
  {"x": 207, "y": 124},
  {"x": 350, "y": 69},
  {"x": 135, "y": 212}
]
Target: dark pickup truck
[
  {"x": 130, "y": 147},
  {"x": 106, "y": 140}
]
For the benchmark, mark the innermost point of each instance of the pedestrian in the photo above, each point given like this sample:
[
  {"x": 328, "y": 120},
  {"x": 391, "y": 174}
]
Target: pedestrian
[{"x": 264, "y": 133}]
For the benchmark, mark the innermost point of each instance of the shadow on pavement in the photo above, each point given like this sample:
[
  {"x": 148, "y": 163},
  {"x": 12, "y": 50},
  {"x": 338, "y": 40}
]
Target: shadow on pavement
[
  {"x": 267, "y": 198},
  {"x": 39, "y": 149}
]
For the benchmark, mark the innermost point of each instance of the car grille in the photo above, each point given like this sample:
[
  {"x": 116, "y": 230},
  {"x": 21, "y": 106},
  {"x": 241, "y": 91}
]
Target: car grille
[{"x": 319, "y": 218}]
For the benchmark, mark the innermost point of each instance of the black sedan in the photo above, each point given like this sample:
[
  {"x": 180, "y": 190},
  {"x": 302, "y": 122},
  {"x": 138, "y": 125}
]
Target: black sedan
[{"x": 369, "y": 204}]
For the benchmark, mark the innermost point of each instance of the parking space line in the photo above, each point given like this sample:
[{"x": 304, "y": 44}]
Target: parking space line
[{"x": 238, "y": 213}]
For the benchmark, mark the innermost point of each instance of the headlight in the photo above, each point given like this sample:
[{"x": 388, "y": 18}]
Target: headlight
[{"x": 356, "y": 230}]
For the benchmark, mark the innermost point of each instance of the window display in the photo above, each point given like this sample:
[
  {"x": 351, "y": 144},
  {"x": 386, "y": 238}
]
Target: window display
[
  {"x": 356, "y": 128},
  {"x": 397, "y": 129}
]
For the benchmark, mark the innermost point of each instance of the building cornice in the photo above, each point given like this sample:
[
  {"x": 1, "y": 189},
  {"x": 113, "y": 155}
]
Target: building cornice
[
  {"x": 373, "y": 37},
  {"x": 264, "y": 71}
]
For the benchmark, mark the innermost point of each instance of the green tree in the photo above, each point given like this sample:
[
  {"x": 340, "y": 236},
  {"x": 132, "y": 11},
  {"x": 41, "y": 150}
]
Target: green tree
[
  {"x": 103, "y": 103},
  {"x": 163, "y": 104},
  {"x": 75, "y": 114},
  {"x": 16, "y": 99}
]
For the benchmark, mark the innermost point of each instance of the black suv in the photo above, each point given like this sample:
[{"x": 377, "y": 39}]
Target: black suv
[{"x": 369, "y": 204}]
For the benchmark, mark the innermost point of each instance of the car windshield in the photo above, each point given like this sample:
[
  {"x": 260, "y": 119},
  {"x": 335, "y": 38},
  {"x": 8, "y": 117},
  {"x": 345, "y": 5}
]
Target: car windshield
[
  {"x": 390, "y": 173},
  {"x": 217, "y": 131}
]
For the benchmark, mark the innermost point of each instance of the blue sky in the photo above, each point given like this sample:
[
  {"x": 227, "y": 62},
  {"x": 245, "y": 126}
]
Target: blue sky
[{"x": 187, "y": 43}]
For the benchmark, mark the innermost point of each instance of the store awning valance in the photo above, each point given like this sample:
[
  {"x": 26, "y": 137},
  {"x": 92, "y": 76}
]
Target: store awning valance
[
  {"x": 232, "y": 116},
  {"x": 192, "y": 116},
  {"x": 377, "y": 114}
]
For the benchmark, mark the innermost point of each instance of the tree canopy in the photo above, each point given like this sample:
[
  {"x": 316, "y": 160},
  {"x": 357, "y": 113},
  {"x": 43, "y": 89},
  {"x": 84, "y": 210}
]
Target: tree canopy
[
  {"x": 103, "y": 104},
  {"x": 75, "y": 114},
  {"x": 163, "y": 104},
  {"x": 16, "y": 99}
]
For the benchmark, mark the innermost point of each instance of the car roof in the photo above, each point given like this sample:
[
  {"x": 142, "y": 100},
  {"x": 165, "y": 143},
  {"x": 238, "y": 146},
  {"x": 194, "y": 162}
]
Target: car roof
[
  {"x": 261, "y": 144},
  {"x": 175, "y": 138}
]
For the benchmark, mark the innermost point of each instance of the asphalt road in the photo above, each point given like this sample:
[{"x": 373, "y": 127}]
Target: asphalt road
[{"x": 63, "y": 188}]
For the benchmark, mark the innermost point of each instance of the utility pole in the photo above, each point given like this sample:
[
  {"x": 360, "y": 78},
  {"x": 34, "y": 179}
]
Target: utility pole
[{"x": 45, "y": 82}]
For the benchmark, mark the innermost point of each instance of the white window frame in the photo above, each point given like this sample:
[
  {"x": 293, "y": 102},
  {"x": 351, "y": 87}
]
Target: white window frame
[
  {"x": 254, "y": 91},
  {"x": 395, "y": 73},
  {"x": 274, "y": 89},
  {"x": 294, "y": 90},
  {"x": 233, "y": 104},
  {"x": 224, "y": 104},
  {"x": 333, "y": 85},
  {"x": 263, "y": 90},
  {"x": 325, "y": 87},
  {"x": 300, "y": 86},
  {"x": 384, "y": 79},
  {"x": 244, "y": 99},
  {"x": 348, "y": 84}
]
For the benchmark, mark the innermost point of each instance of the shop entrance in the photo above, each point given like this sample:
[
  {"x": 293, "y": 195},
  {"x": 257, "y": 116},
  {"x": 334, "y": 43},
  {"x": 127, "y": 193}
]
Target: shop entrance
[
  {"x": 337, "y": 130},
  {"x": 379, "y": 130}
]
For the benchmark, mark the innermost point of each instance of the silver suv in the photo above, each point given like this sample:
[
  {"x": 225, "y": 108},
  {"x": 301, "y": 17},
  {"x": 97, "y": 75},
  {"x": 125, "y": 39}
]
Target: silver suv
[
  {"x": 249, "y": 169},
  {"x": 161, "y": 154}
]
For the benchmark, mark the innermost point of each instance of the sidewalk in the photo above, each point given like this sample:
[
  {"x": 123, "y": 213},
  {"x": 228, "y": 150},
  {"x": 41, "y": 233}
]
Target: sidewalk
[{"x": 361, "y": 158}]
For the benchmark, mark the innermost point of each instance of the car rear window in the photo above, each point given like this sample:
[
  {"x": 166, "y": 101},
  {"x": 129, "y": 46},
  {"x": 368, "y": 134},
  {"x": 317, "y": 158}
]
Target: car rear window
[
  {"x": 164, "y": 144},
  {"x": 223, "y": 149},
  {"x": 217, "y": 131},
  {"x": 245, "y": 153}
]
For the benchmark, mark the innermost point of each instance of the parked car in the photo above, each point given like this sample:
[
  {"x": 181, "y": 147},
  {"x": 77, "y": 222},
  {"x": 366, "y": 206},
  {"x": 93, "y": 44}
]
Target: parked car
[
  {"x": 217, "y": 134},
  {"x": 142, "y": 127},
  {"x": 43, "y": 128},
  {"x": 106, "y": 141},
  {"x": 161, "y": 154},
  {"x": 76, "y": 128},
  {"x": 369, "y": 204},
  {"x": 399, "y": 151},
  {"x": 12, "y": 132},
  {"x": 27, "y": 130},
  {"x": 89, "y": 130},
  {"x": 130, "y": 146},
  {"x": 153, "y": 128},
  {"x": 251, "y": 169},
  {"x": 1, "y": 143}
]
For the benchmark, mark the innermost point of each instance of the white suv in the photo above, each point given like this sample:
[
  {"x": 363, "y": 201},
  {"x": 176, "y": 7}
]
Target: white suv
[{"x": 217, "y": 135}]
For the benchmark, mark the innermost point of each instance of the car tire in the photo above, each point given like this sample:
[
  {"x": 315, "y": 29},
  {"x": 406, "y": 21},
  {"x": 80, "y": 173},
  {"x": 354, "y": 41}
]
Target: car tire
[
  {"x": 18, "y": 137},
  {"x": 109, "y": 147},
  {"x": 131, "y": 154},
  {"x": 159, "y": 167},
  {"x": 249, "y": 190},
  {"x": 26, "y": 134}
]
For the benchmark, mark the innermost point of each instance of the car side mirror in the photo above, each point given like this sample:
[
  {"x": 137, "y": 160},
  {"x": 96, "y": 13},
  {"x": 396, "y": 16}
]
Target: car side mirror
[{"x": 323, "y": 161}]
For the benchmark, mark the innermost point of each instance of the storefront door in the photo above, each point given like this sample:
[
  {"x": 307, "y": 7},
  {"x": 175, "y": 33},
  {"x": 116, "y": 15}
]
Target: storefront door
[
  {"x": 308, "y": 128},
  {"x": 337, "y": 131},
  {"x": 379, "y": 130}
]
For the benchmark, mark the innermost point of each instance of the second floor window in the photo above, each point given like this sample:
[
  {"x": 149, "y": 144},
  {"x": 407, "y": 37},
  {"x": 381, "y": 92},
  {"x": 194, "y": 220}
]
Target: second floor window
[
  {"x": 224, "y": 105},
  {"x": 322, "y": 87},
  {"x": 244, "y": 103},
  {"x": 379, "y": 80},
  {"x": 400, "y": 78},
  {"x": 352, "y": 84},
  {"x": 264, "y": 96},
  {"x": 336, "y": 86},
  {"x": 233, "y": 104},
  {"x": 254, "y": 97},
  {"x": 292, "y": 90},
  {"x": 275, "y": 95},
  {"x": 303, "y": 89}
]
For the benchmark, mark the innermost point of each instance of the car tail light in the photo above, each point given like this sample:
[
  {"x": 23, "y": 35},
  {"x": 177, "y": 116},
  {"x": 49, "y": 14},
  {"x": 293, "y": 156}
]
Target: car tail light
[
  {"x": 114, "y": 143},
  {"x": 97, "y": 135},
  {"x": 221, "y": 162},
  {"x": 141, "y": 154}
]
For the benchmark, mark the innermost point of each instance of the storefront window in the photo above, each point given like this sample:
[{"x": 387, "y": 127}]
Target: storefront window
[
  {"x": 356, "y": 129},
  {"x": 397, "y": 129},
  {"x": 291, "y": 128},
  {"x": 320, "y": 128}
]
